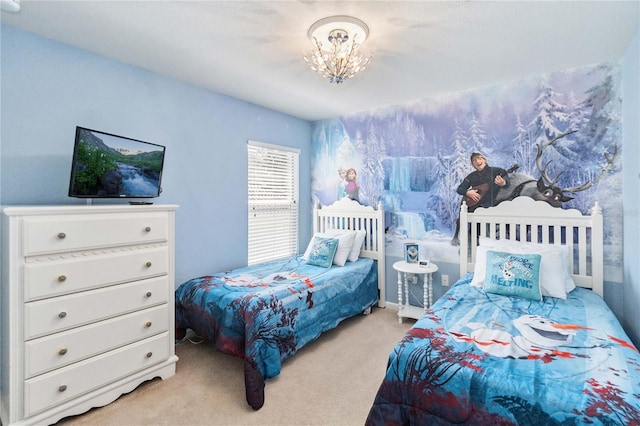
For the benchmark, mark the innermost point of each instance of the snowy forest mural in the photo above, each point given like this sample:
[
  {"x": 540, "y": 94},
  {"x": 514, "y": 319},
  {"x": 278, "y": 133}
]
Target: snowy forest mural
[{"x": 412, "y": 157}]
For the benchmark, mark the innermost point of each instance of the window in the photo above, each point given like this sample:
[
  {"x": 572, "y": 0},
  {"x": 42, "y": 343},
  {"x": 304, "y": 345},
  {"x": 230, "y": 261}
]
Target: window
[{"x": 273, "y": 202}]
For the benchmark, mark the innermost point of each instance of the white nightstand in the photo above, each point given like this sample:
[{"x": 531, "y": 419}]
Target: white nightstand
[{"x": 404, "y": 268}]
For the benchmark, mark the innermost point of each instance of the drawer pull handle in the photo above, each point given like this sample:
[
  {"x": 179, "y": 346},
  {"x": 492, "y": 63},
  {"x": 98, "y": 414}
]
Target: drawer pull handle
[
  {"x": 147, "y": 229},
  {"x": 62, "y": 236},
  {"x": 62, "y": 351},
  {"x": 147, "y": 324},
  {"x": 148, "y": 294},
  {"x": 149, "y": 354},
  {"x": 62, "y": 278},
  {"x": 62, "y": 388},
  {"x": 62, "y": 314},
  {"x": 148, "y": 264}
]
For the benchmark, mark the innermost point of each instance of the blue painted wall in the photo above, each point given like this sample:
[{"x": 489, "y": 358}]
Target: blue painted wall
[
  {"x": 631, "y": 189},
  {"x": 48, "y": 88}
]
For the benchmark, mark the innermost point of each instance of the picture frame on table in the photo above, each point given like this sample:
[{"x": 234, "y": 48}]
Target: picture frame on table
[{"x": 411, "y": 252}]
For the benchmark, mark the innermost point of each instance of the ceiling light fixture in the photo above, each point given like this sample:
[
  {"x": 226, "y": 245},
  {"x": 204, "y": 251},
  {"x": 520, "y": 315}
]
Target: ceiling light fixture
[{"x": 340, "y": 60}]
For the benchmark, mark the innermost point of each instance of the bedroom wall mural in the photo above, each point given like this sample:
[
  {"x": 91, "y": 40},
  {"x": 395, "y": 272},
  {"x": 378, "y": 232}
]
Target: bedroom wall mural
[{"x": 562, "y": 131}]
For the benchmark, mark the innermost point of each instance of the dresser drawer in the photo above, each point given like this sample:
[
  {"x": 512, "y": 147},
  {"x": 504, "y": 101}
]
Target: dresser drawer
[
  {"x": 76, "y": 272},
  {"x": 69, "y": 382},
  {"x": 48, "y": 316},
  {"x": 52, "y": 233},
  {"x": 60, "y": 349}
]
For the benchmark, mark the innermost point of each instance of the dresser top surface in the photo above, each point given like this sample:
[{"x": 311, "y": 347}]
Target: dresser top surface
[{"x": 82, "y": 209}]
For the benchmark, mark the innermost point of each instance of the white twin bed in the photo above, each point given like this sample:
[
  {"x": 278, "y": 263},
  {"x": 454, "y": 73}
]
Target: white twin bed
[
  {"x": 265, "y": 313},
  {"x": 524, "y": 337}
]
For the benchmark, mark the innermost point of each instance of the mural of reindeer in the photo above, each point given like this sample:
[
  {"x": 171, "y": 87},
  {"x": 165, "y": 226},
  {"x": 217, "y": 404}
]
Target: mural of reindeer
[{"x": 545, "y": 189}]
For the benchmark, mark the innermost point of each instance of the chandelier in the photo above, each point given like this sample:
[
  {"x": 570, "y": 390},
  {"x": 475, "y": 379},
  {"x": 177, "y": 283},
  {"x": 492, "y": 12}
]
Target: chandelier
[{"x": 340, "y": 59}]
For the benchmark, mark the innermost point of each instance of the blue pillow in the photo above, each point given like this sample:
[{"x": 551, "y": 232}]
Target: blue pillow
[
  {"x": 513, "y": 274},
  {"x": 322, "y": 251}
]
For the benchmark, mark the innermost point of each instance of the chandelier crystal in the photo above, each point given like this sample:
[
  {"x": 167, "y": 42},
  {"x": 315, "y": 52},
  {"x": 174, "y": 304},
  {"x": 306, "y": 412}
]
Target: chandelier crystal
[{"x": 340, "y": 59}]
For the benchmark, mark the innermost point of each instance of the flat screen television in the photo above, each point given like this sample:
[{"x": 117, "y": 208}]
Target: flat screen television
[{"x": 110, "y": 166}]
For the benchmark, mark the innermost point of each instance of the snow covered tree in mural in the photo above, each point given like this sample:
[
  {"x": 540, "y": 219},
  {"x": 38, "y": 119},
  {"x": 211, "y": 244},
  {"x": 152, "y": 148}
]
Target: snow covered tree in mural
[
  {"x": 549, "y": 121},
  {"x": 477, "y": 137},
  {"x": 415, "y": 133},
  {"x": 371, "y": 181},
  {"x": 453, "y": 169},
  {"x": 599, "y": 136},
  {"x": 461, "y": 154},
  {"x": 449, "y": 201},
  {"x": 523, "y": 148},
  {"x": 603, "y": 108},
  {"x": 404, "y": 136}
]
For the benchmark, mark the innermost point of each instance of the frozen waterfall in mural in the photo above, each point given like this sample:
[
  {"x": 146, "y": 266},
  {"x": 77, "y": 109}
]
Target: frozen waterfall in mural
[
  {"x": 409, "y": 224},
  {"x": 400, "y": 174}
]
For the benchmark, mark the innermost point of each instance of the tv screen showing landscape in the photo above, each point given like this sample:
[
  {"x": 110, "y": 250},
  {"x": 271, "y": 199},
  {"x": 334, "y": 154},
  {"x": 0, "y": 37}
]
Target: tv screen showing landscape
[{"x": 110, "y": 166}]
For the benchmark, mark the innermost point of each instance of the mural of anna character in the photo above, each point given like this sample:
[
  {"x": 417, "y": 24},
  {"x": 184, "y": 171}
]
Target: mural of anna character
[{"x": 352, "y": 186}]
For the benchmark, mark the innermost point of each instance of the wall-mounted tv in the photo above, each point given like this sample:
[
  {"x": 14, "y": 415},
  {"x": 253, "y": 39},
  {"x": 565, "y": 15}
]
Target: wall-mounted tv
[{"x": 110, "y": 166}]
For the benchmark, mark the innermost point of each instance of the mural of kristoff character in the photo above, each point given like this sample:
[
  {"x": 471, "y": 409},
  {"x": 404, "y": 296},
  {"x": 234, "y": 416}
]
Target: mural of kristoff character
[
  {"x": 352, "y": 186},
  {"x": 342, "y": 186},
  {"x": 480, "y": 187}
]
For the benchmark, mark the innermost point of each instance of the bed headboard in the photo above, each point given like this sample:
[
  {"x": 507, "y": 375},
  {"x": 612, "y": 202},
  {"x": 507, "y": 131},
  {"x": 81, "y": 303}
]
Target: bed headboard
[
  {"x": 525, "y": 219},
  {"x": 349, "y": 214}
]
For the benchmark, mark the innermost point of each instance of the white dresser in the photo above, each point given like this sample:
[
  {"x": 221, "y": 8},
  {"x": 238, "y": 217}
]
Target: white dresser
[{"x": 86, "y": 306}]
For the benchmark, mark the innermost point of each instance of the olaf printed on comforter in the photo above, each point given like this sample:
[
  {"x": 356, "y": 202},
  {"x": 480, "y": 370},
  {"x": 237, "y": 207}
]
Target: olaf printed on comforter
[{"x": 480, "y": 358}]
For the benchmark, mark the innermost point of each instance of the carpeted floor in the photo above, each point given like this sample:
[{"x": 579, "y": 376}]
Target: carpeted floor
[{"x": 331, "y": 381}]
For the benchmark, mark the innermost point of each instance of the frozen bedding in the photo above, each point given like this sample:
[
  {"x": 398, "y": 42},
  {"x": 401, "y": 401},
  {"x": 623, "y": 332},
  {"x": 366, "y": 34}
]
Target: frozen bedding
[
  {"x": 482, "y": 358},
  {"x": 265, "y": 313}
]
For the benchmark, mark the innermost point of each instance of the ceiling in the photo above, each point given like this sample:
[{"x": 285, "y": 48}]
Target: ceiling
[{"x": 252, "y": 50}]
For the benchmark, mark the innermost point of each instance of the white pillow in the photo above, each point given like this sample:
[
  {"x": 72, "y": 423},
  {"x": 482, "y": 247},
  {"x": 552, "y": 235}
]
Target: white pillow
[
  {"x": 360, "y": 235},
  {"x": 357, "y": 245},
  {"x": 480, "y": 269},
  {"x": 345, "y": 241},
  {"x": 555, "y": 276},
  {"x": 350, "y": 241}
]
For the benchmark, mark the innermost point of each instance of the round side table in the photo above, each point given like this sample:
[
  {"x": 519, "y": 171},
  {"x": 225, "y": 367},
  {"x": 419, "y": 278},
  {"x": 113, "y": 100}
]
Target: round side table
[{"x": 405, "y": 310}]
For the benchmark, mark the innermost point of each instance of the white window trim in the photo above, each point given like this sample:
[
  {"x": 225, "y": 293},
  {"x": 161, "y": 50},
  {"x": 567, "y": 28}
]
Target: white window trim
[{"x": 274, "y": 234}]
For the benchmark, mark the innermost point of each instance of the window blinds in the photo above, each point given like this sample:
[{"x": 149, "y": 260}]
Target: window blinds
[{"x": 273, "y": 202}]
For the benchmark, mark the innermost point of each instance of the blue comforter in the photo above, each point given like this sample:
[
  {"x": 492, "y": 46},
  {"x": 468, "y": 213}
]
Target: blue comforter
[
  {"x": 477, "y": 358},
  {"x": 265, "y": 313}
]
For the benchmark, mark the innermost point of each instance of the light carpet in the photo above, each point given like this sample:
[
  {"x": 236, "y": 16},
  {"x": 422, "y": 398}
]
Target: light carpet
[{"x": 331, "y": 381}]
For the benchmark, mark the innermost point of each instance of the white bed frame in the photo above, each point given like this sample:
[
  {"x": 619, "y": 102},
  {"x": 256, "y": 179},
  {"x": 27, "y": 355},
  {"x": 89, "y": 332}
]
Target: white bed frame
[
  {"x": 536, "y": 221},
  {"x": 348, "y": 214}
]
